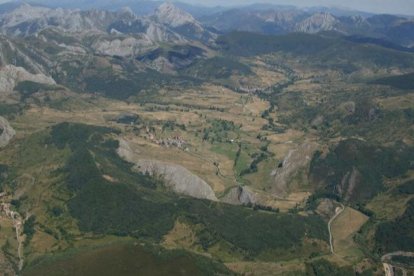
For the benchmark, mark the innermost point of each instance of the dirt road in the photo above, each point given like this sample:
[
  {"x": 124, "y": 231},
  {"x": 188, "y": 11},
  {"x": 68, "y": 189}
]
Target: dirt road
[
  {"x": 338, "y": 211},
  {"x": 387, "y": 258}
]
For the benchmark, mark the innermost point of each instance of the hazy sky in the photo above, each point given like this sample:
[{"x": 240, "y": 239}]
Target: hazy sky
[{"x": 377, "y": 6}]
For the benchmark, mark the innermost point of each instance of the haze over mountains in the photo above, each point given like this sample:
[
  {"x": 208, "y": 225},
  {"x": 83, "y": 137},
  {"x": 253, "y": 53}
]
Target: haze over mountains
[
  {"x": 268, "y": 19},
  {"x": 144, "y": 137}
]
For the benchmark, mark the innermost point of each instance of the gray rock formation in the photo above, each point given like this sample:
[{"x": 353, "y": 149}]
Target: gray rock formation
[
  {"x": 6, "y": 132},
  {"x": 168, "y": 14},
  {"x": 241, "y": 195},
  {"x": 11, "y": 75},
  {"x": 28, "y": 20},
  {"x": 348, "y": 184},
  {"x": 176, "y": 177},
  {"x": 123, "y": 47},
  {"x": 182, "y": 22},
  {"x": 168, "y": 24},
  {"x": 318, "y": 22}
]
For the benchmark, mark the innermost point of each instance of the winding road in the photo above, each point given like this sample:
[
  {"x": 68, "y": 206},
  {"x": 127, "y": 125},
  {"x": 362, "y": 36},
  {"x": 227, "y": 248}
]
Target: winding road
[
  {"x": 338, "y": 211},
  {"x": 387, "y": 258}
]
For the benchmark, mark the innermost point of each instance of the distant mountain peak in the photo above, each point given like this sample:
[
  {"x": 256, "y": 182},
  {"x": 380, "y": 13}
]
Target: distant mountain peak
[
  {"x": 127, "y": 11},
  {"x": 321, "y": 21},
  {"x": 169, "y": 14}
]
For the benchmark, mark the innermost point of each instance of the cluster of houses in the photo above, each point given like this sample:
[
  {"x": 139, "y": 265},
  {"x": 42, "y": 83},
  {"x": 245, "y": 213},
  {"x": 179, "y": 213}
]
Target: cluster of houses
[{"x": 174, "y": 141}]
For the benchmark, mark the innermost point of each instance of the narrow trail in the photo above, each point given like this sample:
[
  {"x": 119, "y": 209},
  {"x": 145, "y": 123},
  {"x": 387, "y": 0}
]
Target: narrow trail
[
  {"x": 18, "y": 224},
  {"x": 338, "y": 211}
]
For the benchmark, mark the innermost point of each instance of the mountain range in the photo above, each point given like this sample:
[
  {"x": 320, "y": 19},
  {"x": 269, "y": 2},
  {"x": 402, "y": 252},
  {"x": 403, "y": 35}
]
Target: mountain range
[
  {"x": 268, "y": 19},
  {"x": 151, "y": 138}
]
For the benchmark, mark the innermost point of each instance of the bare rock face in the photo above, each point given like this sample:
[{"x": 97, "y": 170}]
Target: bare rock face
[
  {"x": 6, "y": 132},
  {"x": 318, "y": 22},
  {"x": 295, "y": 160},
  {"x": 27, "y": 20},
  {"x": 125, "y": 151},
  {"x": 123, "y": 47},
  {"x": 348, "y": 184},
  {"x": 176, "y": 177},
  {"x": 168, "y": 14},
  {"x": 240, "y": 196},
  {"x": 11, "y": 75},
  {"x": 158, "y": 33},
  {"x": 182, "y": 22}
]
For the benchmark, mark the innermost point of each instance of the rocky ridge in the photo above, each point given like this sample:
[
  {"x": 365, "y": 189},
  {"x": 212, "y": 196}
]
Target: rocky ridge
[
  {"x": 177, "y": 178},
  {"x": 168, "y": 24}
]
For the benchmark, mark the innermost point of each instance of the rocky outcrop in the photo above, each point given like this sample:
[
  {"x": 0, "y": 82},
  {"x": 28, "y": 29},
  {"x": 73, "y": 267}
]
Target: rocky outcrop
[
  {"x": 175, "y": 177},
  {"x": 125, "y": 151},
  {"x": 122, "y": 47},
  {"x": 168, "y": 14},
  {"x": 348, "y": 184},
  {"x": 182, "y": 22},
  {"x": 11, "y": 75},
  {"x": 241, "y": 195},
  {"x": 318, "y": 22},
  {"x": 168, "y": 24},
  {"x": 294, "y": 161},
  {"x": 6, "y": 132},
  {"x": 29, "y": 19}
]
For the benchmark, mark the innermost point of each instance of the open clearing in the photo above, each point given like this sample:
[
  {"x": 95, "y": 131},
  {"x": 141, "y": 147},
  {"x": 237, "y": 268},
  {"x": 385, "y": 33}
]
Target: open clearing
[{"x": 343, "y": 229}]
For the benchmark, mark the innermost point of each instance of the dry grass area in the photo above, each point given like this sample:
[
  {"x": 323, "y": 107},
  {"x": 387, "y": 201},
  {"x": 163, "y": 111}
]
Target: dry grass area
[
  {"x": 264, "y": 77},
  {"x": 6, "y": 268},
  {"x": 387, "y": 207},
  {"x": 7, "y": 231},
  {"x": 181, "y": 236},
  {"x": 243, "y": 110},
  {"x": 199, "y": 162},
  {"x": 343, "y": 229},
  {"x": 284, "y": 204},
  {"x": 397, "y": 102},
  {"x": 194, "y": 108},
  {"x": 282, "y": 143},
  {"x": 239, "y": 108},
  {"x": 43, "y": 243},
  {"x": 200, "y": 158},
  {"x": 304, "y": 85},
  {"x": 8, "y": 243},
  {"x": 266, "y": 269}
]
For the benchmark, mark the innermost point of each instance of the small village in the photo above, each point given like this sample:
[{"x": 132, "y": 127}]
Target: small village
[{"x": 173, "y": 141}]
